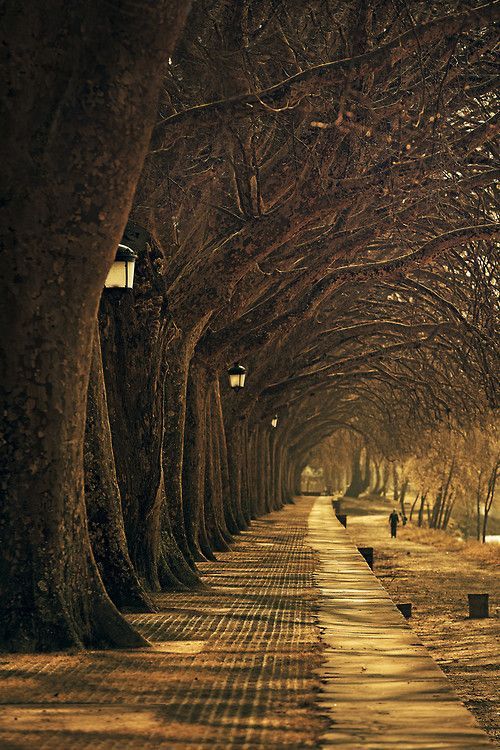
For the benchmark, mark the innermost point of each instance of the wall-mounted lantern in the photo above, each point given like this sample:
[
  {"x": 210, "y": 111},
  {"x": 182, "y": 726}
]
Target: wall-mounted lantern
[
  {"x": 274, "y": 421},
  {"x": 121, "y": 273},
  {"x": 237, "y": 375}
]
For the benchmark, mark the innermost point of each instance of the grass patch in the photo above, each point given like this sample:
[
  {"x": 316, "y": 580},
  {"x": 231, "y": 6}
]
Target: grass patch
[{"x": 488, "y": 554}]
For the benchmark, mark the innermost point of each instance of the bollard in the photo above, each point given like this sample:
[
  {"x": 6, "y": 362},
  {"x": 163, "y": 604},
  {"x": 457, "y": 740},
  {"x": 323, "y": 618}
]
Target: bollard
[
  {"x": 478, "y": 606},
  {"x": 342, "y": 518},
  {"x": 405, "y": 609},
  {"x": 367, "y": 553},
  {"x": 337, "y": 506}
]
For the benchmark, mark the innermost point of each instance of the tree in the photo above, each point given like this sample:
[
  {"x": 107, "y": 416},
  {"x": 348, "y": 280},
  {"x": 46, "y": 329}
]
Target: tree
[{"x": 79, "y": 93}]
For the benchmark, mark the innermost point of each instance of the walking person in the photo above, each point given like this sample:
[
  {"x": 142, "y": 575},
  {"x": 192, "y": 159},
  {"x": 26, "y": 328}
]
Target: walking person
[{"x": 394, "y": 520}]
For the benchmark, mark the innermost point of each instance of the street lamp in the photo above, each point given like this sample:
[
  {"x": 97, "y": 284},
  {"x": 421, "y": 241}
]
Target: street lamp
[
  {"x": 274, "y": 421},
  {"x": 237, "y": 375},
  {"x": 121, "y": 273}
]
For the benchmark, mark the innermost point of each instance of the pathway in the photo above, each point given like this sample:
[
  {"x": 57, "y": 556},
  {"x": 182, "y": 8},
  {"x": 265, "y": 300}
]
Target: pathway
[
  {"x": 233, "y": 665},
  {"x": 240, "y": 663},
  {"x": 381, "y": 688},
  {"x": 437, "y": 577}
]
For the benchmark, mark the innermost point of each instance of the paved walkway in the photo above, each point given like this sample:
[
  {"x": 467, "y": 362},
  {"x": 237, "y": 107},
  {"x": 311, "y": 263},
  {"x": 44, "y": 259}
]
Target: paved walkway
[
  {"x": 233, "y": 665},
  {"x": 381, "y": 689},
  {"x": 239, "y": 665}
]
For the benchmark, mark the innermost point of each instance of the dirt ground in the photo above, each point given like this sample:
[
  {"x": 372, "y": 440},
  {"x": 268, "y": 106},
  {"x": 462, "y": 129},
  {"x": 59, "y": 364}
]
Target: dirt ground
[{"x": 436, "y": 581}]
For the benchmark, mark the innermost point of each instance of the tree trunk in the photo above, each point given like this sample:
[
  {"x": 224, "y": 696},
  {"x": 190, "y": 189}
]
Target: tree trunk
[
  {"x": 215, "y": 522},
  {"x": 421, "y": 509},
  {"x": 413, "y": 506},
  {"x": 246, "y": 497},
  {"x": 194, "y": 464},
  {"x": 490, "y": 495},
  {"x": 51, "y": 591},
  {"x": 229, "y": 505},
  {"x": 385, "y": 479},
  {"x": 449, "y": 508},
  {"x": 178, "y": 357},
  {"x": 356, "y": 483},
  {"x": 395, "y": 483},
  {"x": 478, "y": 506},
  {"x": 402, "y": 495},
  {"x": 236, "y": 467},
  {"x": 366, "y": 473},
  {"x": 378, "y": 487},
  {"x": 79, "y": 94},
  {"x": 436, "y": 509},
  {"x": 134, "y": 341},
  {"x": 103, "y": 502}
]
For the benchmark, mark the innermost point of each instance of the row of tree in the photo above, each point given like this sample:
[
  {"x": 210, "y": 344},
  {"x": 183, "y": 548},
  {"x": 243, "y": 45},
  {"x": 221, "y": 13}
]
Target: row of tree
[
  {"x": 448, "y": 472},
  {"x": 310, "y": 191}
]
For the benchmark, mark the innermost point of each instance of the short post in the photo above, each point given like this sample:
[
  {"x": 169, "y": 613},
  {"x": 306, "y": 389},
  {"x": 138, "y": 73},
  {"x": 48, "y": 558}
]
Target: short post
[
  {"x": 478, "y": 606},
  {"x": 342, "y": 518},
  {"x": 405, "y": 609},
  {"x": 337, "y": 506},
  {"x": 367, "y": 553}
]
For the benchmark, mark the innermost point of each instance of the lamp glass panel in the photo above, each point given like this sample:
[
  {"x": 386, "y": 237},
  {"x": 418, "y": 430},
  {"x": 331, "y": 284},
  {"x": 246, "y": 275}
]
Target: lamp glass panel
[
  {"x": 236, "y": 380},
  {"x": 130, "y": 274},
  {"x": 117, "y": 275}
]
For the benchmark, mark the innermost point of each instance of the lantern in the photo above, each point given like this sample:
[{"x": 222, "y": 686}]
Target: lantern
[
  {"x": 121, "y": 273},
  {"x": 274, "y": 421},
  {"x": 237, "y": 375}
]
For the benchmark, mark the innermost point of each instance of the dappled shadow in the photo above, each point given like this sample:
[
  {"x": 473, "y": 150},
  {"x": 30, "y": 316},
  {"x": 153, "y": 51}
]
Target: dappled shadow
[{"x": 248, "y": 680}]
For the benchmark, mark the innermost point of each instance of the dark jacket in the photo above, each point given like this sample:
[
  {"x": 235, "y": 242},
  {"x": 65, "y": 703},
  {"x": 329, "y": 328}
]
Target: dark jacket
[{"x": 394, "y": 519}]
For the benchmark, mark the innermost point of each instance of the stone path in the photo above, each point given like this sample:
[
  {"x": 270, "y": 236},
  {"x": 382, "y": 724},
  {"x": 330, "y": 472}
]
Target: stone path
[
  {"x": 437, "y": 580},
  {"x": 381, "y": 689},
  {"x": 233, "y": 665},
  {"x": 239, "y": 664}
]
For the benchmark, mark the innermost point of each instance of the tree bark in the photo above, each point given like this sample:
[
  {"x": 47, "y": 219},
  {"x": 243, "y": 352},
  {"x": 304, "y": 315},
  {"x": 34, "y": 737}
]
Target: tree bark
[
  {"x": 194, "y": 465},
  {"x": 79, "y": 95},
  {"x": 356, "y": 483},
  {"x": 103, "y": 501},
  {"x": 213, "y": 512},
  {"x": 229, "y": 504},
  {"x": 135, "y": 338}
]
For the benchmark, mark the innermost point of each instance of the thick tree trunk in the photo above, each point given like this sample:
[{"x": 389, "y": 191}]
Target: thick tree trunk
[
  {"x": 134, "y": 342},
  {"x": 247, "y": 489},
  {"x": 102, "y": 499},
  {"x": 253, "y": 484},
  {"x": 236, "y": 470},
  {"x": 296, "y": 470},
  {"x": 51, "y": 591},
  {"x": 356, "y": 484},
  {"x": 79, "y": 94},
  {"x": 231, "y": 501},
  {"x": 260, "y": 471},
  {"x": 264, "y": 470},
  {"x": 194, "y": 465},
  {"x": 229, "y": 504},
  {"x": 279, "y": 461},
  {"x": 173, "y": 450},
  {"x": 213, "y": 512}
]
